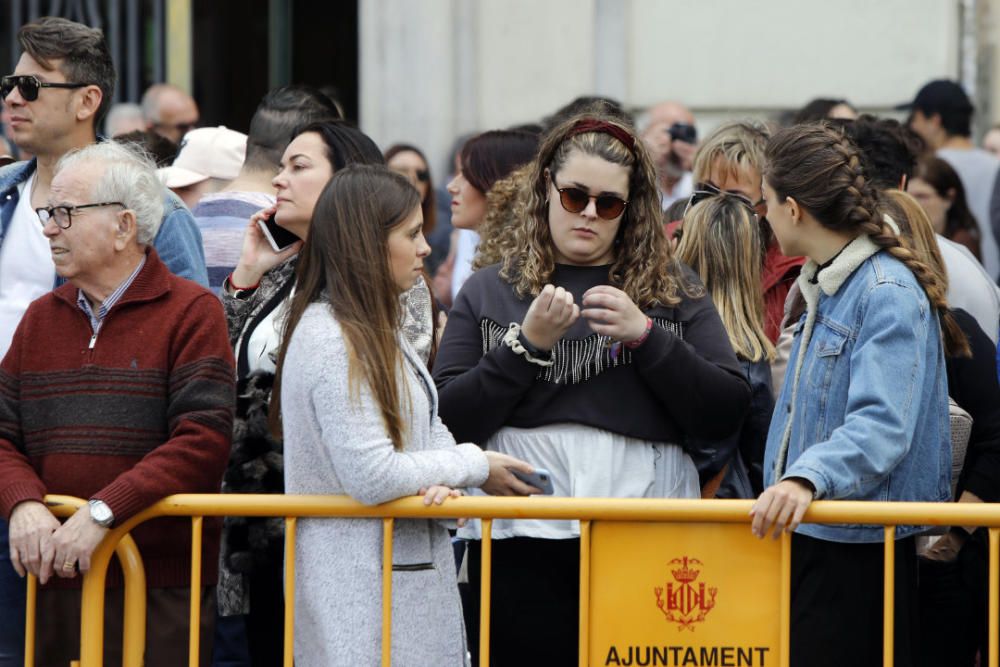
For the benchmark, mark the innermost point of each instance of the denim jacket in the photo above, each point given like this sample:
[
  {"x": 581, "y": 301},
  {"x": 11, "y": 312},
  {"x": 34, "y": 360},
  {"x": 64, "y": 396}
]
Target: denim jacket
[
  {"x": 863, "y": 413},
  {"x": 177, "y": 242}
]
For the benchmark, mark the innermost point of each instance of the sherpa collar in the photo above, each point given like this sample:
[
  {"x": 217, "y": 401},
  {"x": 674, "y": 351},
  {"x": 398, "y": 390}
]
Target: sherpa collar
[{"x": 847, "y": 262}]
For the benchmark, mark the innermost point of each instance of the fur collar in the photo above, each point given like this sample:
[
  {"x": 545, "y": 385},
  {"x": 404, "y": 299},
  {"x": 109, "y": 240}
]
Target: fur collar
[{"x": 833, "y": 276}]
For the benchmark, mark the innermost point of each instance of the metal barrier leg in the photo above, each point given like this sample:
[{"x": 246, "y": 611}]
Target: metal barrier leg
[
  {"x": 889, "y": 597},
  {"x": 290, "y": 526},
  {"x": 786, "y": 599},
  {"x": 31, "y": 605},
  {"x": 584, "y": 645},
  {"x": 486, "y": 575},
  {"x": 195, "y": 620},
  {"x": 994, "y": 616},
  {"x": 387, "y": 592},
  {"x": 134, "y": 610}
]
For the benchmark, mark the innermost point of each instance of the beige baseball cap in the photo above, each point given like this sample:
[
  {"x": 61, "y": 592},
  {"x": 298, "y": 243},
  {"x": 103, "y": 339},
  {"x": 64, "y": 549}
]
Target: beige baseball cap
[{"x": 206, "y": 152}]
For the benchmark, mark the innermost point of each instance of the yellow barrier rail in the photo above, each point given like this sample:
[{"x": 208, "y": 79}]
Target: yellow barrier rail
[{"x": 586, "y": 510}]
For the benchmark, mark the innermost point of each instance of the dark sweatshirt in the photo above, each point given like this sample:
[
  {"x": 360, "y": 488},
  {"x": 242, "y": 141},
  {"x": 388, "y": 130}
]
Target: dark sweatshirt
[
  {"x": 972, "y": 383},
  {"x": 684, "y": 379}
]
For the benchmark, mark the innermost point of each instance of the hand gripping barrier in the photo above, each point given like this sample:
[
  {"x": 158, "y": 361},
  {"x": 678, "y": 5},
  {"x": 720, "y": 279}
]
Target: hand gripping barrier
[
  {"x": 92, "y": 616},
  {"x": 587, "y": 510}
]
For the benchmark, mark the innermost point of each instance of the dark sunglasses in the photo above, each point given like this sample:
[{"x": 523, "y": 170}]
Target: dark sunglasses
[
  {"x": 29, "y": 86},
  {"x": 575, "y": 200},
  {"x": 703, "y": 191}
]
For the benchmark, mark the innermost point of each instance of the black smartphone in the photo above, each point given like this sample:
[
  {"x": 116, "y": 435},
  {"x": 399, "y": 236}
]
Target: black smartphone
[
  {"x": 279, "y": 237},
  {"x": 541, "y": 479}
]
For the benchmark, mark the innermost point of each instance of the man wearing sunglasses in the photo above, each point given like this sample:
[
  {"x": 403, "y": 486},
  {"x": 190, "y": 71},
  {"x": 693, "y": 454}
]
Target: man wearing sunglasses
[{"x": 59, "y": 91}]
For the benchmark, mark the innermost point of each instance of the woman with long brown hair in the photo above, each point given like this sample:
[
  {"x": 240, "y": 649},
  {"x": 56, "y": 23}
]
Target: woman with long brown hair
[
  {"x": 863, "y": 412},
  {"x": 358, "y": 412},
  {"x": 590, "y": 351}
]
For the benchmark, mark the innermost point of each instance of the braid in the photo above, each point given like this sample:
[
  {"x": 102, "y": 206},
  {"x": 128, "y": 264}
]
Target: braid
[{"x": 867, "y": 215}]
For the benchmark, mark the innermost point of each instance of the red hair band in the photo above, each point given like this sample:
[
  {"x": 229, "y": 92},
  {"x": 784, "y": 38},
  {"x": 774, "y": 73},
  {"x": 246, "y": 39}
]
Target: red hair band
[{"x": 593, "y": 125}]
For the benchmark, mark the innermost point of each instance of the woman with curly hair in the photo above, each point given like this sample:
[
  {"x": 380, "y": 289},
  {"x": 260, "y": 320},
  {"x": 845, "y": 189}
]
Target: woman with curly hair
[{"x": 591, "y": 352}]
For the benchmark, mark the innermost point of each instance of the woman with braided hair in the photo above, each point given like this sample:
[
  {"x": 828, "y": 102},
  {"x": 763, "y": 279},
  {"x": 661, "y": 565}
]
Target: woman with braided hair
[{"x": 863, "y": 414}]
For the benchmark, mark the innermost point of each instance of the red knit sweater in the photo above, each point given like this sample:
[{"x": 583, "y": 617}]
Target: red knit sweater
[{"x": 144, "y": 413}]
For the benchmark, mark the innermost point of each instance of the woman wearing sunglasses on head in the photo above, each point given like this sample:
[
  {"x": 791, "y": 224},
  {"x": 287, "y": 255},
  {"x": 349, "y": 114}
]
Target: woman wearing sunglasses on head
[
  {"x": 731, "y": 160},
  {"x": 588, "y": 351}
]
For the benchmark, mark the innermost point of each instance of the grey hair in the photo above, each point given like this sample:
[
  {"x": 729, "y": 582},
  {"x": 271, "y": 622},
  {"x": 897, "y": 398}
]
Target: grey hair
[{"x": 129, "y": 177}]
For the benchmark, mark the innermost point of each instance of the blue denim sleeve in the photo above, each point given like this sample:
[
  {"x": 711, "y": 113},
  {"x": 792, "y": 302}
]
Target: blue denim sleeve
[
  {"x": 888, "y": 367},
  {"x": 178, "y": 242}
]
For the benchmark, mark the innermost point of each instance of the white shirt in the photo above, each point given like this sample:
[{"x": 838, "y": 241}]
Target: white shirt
[
  {"x": 26, "y": 268},
  {"x": 970, "y": 287},
  {"x": 977, "y": 170},
  {"x": 682, "y": 190},
  {"x": 588, "y": 462},
  {"x": 264, "y": 341},
  {"x": 465, "y": 252}
]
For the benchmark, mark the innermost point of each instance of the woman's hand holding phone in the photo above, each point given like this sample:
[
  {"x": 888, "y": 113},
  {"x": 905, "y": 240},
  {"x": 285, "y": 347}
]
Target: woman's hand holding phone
[
  {"x": 257, "y": 256},
  {"x": 502, "y": 481}
]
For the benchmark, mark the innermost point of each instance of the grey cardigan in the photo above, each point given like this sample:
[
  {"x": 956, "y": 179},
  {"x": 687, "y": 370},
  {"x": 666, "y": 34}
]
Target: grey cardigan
[{"x": 336, "y": 443}]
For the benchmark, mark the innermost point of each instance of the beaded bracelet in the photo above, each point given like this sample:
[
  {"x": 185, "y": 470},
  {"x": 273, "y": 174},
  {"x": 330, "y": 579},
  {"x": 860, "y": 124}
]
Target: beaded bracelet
[
  {"x": 632, "y": 344},
  {"x": 511, "y": 341}
]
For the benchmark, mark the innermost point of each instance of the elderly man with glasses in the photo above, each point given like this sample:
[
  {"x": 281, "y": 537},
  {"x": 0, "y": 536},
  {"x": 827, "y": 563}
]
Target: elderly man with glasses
[{"x": 117, "y": 388}]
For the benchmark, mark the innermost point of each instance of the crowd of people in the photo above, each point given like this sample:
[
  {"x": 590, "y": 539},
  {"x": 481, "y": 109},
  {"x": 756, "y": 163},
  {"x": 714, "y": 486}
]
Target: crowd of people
[{"x": 784, "y": 310}]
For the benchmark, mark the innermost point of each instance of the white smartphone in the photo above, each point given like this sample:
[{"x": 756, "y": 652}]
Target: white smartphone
[
  {"x": 277, "y": 236},
  {"x": 541, "y": 479}
]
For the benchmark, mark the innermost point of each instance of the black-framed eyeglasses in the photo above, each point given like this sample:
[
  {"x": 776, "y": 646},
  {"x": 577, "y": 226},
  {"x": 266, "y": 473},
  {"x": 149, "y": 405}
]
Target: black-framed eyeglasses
[
  {"x": 575, "y": 200},
  {"x": 29, "y": 86},
  {"x": 63, "y": 215},
  {"x": 703, "y": 191}
]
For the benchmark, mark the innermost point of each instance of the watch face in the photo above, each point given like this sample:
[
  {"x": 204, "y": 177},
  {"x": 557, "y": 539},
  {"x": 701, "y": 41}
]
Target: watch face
[{"x": 101, "y": 513}]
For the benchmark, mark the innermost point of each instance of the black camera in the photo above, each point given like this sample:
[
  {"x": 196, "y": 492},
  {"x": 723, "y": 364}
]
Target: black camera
[{"x": 683, "y": 132}]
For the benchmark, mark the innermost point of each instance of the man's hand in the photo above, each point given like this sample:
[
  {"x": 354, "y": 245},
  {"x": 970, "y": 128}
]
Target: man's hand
[
  {"x": 31, "y": 527},
  {"x": 74, "y": 542}
]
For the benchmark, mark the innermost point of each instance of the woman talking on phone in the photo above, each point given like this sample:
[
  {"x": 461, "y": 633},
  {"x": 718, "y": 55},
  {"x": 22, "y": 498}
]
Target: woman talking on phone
[
  {"x": 591, "y": 352},
  {"x": 256, "y": 297},
  {"x": 358, "y": 411}
]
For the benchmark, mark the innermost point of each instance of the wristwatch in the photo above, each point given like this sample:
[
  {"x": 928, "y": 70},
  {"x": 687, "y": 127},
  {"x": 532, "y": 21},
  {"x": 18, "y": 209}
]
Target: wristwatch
[{"x": 101, "y": 513}]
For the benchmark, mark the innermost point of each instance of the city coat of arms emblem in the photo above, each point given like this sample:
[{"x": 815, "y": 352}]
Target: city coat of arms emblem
[{"x": 685, "y": 601}]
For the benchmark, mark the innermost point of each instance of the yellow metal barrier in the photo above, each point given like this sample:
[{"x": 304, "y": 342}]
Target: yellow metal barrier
[
  {"x": 587, "y": 510},
  {"x": 134, "y": 609}
]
